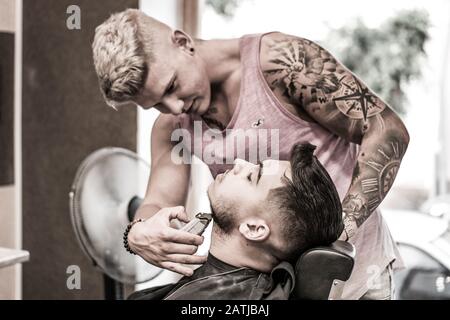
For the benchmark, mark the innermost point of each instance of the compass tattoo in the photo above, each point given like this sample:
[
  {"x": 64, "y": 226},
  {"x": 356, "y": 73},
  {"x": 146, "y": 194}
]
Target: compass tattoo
[
  {"x": 357, "y": 103},
  {"x": 355, "y": 100}
]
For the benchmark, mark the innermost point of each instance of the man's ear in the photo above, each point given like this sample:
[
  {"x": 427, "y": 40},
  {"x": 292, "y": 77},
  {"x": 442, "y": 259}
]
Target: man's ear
[
  {"x": 182, "y": 40},
  {"x": 254, "y": 229}
]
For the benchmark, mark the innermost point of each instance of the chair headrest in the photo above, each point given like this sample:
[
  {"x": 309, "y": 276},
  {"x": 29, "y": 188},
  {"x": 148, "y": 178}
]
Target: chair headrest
[{"x": 321, "y": 272}]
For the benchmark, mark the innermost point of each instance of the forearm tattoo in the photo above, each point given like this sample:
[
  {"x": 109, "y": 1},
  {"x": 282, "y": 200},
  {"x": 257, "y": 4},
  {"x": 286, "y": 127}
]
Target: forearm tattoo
[
  {"x": 355, "y": 208},
  {"x": 375, "y": 174},
  {"x": 310, "y": 78}
]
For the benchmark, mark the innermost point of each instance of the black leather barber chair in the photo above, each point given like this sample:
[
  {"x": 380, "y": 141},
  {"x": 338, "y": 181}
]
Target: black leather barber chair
[{"x": 321, "y": 273}]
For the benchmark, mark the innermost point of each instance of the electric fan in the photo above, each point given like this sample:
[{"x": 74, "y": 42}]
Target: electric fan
[{"x": 108, "y": 188}]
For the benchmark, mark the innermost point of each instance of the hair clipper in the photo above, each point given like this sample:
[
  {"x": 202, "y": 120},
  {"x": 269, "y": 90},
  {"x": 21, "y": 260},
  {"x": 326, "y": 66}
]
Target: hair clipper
[{"x": 198, "y": 224}]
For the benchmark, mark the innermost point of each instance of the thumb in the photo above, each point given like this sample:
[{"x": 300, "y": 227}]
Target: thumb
[{"x": 178, "y": 213}]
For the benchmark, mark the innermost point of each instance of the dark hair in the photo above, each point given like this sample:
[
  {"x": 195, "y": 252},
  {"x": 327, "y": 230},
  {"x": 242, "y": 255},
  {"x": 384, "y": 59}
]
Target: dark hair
[{"x": 309, "y": 206}]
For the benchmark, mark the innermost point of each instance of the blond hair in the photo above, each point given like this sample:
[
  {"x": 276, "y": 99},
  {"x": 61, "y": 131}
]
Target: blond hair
[{"x": 122, "y": 49}]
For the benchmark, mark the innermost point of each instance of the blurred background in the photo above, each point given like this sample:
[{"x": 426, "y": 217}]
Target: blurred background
[{"x": 52, "y": 116}]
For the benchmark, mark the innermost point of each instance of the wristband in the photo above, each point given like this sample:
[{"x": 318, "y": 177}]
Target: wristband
[{"x": 125, "y": 235}]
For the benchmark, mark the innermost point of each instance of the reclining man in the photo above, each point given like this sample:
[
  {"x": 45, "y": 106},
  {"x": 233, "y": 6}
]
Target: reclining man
[{"x": 261, "y": 221}]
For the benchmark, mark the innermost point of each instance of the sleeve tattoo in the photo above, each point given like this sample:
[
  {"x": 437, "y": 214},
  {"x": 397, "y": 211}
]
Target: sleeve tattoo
[{"x": 310, "y": 78}]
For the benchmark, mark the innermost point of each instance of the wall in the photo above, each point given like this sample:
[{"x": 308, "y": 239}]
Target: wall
[
  {"x": 64, "y": 118},
  {"x": 8, "y": 215}
]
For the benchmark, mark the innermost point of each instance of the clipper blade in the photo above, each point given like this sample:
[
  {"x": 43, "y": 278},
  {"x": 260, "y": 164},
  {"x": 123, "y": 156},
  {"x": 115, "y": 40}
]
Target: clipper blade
[{"x": 198, "y": 224}]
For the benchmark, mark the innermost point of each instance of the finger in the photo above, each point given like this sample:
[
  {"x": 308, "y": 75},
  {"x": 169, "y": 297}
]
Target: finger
[
  {"x": 184, "y": 237},
  {"x": 186, "y": 258},
  {"x": 173, "y": 247},
  {"x": 178, "y": 213},
  {"x": 178, "y": 268}
]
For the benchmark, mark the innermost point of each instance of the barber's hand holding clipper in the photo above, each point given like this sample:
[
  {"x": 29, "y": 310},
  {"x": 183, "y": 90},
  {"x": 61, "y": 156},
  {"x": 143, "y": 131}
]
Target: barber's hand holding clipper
[{"x": 164, "y": 246}]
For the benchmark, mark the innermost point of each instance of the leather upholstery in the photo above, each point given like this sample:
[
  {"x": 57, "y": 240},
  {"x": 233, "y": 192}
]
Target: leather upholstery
[{"x": 318, "y": 268}]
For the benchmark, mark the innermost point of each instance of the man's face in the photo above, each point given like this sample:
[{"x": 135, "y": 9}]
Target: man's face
[
  {"x": 177, "y": 82},
  {"x": 245, "y": 188}
]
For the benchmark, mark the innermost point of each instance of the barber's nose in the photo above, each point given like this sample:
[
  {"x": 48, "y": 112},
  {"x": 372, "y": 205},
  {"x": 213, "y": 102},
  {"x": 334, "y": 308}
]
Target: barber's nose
[{"x": 173, "y": 105}]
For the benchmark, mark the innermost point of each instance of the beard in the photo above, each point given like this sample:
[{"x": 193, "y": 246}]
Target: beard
[{"x": 223, "y": 216}]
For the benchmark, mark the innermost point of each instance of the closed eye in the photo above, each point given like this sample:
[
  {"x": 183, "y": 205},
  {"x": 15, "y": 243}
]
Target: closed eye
[
  {"x": 171, "y": 88},
  {"x": 260, "y": 172}
]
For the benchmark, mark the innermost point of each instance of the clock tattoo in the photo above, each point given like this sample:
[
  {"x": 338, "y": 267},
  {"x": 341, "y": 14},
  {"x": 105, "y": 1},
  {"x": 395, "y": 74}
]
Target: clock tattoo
[{"x": 386, "y": 166}]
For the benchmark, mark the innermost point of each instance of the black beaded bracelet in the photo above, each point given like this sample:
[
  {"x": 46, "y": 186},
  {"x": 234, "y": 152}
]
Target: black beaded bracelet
[{"x": 125, "y": 235}]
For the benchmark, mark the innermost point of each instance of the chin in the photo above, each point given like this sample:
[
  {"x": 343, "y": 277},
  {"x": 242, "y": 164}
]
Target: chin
[{"x": 209, "y": 191}]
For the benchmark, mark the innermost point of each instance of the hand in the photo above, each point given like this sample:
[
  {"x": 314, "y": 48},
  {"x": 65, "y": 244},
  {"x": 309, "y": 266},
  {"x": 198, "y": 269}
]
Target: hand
[{"x": 163, "y": 246}]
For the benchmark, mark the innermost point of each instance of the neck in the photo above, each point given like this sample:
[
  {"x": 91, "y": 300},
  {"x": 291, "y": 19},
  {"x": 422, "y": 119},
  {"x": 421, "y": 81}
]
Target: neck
[
  {"x": 221, "y": 58},
  {"x": 222, "y": 64},
  {"x": 237, "y": 251}
]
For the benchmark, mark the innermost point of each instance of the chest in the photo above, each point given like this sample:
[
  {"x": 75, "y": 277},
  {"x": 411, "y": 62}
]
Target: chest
[{"x": 225, "y": 102}]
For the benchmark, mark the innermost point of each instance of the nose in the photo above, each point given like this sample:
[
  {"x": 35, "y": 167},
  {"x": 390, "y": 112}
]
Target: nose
[
  {"x": 173, "y": 105},
  {"x": 238, "y": 166},
  {"x": 241, "y": 166}
]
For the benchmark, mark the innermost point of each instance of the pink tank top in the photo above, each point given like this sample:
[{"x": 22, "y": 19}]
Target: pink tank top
[{"x": 265, "y": 121}]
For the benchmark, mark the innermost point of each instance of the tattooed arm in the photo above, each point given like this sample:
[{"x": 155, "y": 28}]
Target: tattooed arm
[{"x": 309, "y": 79}]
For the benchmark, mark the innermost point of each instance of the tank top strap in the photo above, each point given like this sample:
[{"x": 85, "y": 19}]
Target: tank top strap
[{"x": 249, "y": 50}]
